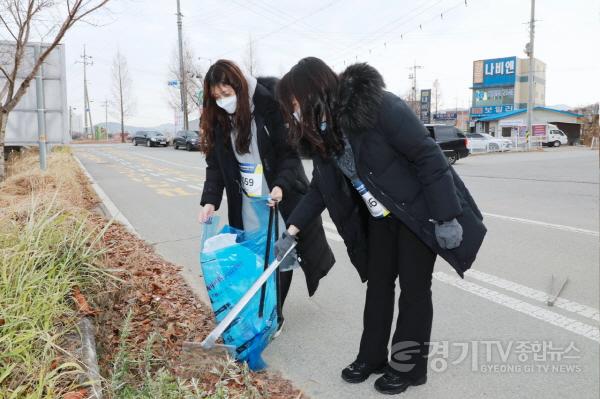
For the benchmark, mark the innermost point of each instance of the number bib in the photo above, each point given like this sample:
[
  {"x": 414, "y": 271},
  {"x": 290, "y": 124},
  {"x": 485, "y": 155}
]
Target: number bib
[
  {"x": 252, "y": 179},
  {"x": 375, "y": 207}
]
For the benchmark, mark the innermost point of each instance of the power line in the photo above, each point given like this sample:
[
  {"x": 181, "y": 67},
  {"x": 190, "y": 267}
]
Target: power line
[
  {"x": 264, "y": 36},
  {"x": 277, "y": 14},
  {"x": 214, "y": 12},
  {"x": 386, "y": 28},
  {"x": 398, "y": 23}
]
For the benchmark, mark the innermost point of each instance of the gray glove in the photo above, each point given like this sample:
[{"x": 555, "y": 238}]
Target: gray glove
[
  {"x": 283, "y": 244},
  {"x": 449, "y": 234},
  {"x": 290, "y": 262}
]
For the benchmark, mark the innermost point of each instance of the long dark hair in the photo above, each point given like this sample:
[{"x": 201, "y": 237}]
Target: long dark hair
[
  {"x": 226, "y": 72},
  {"x": 313, "y": 84}
]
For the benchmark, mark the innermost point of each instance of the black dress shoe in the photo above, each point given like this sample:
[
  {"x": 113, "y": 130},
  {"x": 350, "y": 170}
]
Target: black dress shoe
[
  {"x": 360, "y": 371},
  {"x": 393, "y": 384}
]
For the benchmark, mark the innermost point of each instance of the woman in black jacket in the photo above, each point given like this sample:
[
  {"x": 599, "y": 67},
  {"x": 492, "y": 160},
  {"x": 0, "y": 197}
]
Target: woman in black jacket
[
  {"x": 248, "y": 155},
  {"x": 418, "y": 207}
]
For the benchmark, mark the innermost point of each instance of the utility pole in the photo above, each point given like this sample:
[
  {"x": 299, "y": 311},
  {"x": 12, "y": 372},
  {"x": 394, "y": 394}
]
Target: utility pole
[
  {"x": 105, "y": 105},
  {"x": 413, "y": 76},
  {"x": 87, "y": 114},
  {"x": 71, "y": 121},
  {"x": 182, "y": 76},
  {"x": 530, "y": 74}
]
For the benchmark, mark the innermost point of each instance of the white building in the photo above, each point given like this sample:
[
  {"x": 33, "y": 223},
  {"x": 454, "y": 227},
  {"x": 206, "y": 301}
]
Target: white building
[{"x": 514, "y": 123}]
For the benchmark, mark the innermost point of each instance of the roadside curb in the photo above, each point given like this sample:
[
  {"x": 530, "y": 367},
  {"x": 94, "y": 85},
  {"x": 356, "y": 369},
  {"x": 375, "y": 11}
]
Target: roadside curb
[
  {"x": 86, "y": 326},
  {"x": 90, "y": 358},
  {"x": 108, "y": 207}
]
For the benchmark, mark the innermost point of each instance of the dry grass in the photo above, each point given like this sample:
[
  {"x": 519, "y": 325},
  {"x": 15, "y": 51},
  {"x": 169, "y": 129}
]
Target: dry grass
[
  {"x": 47, "y": 250},
  {"x": 63, "y": 179}
]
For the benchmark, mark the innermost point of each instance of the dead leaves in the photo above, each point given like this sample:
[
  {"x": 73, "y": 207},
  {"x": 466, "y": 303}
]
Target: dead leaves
[
  {"x": 83, "y": 307},
  {"x": 79, "y": 394},
  {"x": 161, "y": 302}
]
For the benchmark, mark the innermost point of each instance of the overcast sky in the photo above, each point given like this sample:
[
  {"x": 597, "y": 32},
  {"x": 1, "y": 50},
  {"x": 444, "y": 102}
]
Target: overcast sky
[{"x": 443, "y": 36}]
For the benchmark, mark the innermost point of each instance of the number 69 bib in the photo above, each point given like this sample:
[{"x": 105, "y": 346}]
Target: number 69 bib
[
  {"x": 375, "y": 207},
  {"x": 252, "y": 179}
]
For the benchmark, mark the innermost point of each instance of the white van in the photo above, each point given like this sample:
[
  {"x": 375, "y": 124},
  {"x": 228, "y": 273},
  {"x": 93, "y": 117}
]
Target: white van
[{"x": 554, "y": 136}]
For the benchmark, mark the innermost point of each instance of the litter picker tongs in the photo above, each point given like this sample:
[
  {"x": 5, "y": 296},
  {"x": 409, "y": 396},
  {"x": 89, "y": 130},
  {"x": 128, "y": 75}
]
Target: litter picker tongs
[{"x": 210, "y": 341}]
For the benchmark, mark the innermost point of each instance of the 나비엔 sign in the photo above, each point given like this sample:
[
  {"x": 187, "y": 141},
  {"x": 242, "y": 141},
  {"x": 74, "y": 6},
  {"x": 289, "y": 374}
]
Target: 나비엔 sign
[{"x": 495, "y": 72}]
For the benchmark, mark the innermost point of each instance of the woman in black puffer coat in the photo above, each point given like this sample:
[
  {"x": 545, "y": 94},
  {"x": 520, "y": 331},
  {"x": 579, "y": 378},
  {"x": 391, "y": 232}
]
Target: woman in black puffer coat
[{"x": 417, "y": 206}]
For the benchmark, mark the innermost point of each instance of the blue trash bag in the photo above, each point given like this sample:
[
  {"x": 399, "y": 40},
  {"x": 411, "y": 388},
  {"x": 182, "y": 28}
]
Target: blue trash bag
[{"x": 228, "y": 274}]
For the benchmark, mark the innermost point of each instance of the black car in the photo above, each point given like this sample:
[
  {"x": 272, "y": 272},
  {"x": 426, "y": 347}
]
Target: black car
[
  {"x": 188, "y": 139},
  {"x": 150, "y": 138},
  {"x": 452, "y": 141}
]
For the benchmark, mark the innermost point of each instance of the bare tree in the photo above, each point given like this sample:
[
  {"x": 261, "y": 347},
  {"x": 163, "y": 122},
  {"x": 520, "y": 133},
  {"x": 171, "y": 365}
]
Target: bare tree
[
  {"x": 193, "y": 80},
  {"x": 437, "y": 96},
  {"x": 17, "y": 20},
  {"x": 250, "y": 58},
  {"x": 413, "y": 103},
  {"x": 123, "y": 104}
]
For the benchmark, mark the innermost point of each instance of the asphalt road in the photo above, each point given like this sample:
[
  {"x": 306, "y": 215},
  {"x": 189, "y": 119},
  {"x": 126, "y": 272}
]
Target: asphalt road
[{"x": 494, "y": 336}]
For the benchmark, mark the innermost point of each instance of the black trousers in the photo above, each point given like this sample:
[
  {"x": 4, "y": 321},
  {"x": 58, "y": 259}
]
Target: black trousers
[
  {"x": 395, "y": 252},
  {"x": 285, "y": 281}
]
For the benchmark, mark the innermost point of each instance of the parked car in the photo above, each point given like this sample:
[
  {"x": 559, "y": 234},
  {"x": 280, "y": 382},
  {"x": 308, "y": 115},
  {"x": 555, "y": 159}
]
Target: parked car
[
  {"x": 150, "y": 138},
  {"x": 452, "y": 141},
  {"x": 188, "y": 139},
  {"x": 484, "y": 142}
]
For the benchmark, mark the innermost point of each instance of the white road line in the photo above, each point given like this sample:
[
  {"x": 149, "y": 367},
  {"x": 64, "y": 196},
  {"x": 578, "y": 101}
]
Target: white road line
[
  {"x": 520, "y": 220},
  {"x": 534, "y": 311},
  {"x": 195, "y": 187},
  {"x": 540, "y": 296},
  {"x": 168, "y": 162},
  {"x": 180, "y": 179},
  {"x": 171, "y": 180},
  {"x": 544, "y": 224}
]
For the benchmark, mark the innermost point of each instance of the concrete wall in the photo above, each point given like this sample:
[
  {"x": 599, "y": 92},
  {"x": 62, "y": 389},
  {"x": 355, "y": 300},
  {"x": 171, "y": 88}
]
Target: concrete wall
[{"x": 522, "y": 84}]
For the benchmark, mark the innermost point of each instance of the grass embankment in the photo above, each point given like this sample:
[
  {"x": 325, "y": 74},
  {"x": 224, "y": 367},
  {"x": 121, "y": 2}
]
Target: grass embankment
[{"x": 59, "y": 261}]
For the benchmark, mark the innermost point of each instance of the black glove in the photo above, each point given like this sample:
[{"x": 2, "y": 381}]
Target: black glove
[
  {"x": 283, "y": 244},
  {"x": 448, "y": 234}
]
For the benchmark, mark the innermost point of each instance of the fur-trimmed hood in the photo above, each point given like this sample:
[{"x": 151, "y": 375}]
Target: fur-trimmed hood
[{"x": 359, "y": 97}]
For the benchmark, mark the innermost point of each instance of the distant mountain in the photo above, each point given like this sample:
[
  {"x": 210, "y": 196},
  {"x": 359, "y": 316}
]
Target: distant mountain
[
  {"x": 167, "y": 128},
  {"x": 561, "y": 107},
  {"x": 115, "y": 127}
]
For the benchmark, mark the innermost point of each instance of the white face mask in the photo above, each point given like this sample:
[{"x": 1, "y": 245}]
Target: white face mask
[
  {"x": 229, "y": 104},
  {"x": 297, "y": 116}
]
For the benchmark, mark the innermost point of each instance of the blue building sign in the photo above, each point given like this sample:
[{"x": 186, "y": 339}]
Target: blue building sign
[
  {"x": 495, "y": 72},
  {"x": 444, "y": 116},
  {"x": 478, "y": 112}
]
